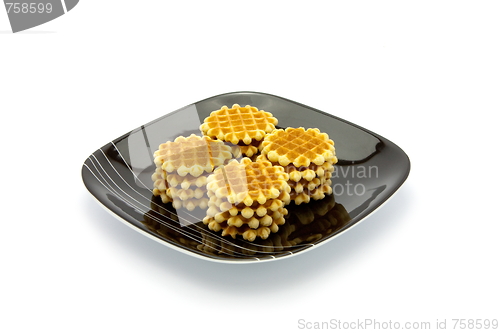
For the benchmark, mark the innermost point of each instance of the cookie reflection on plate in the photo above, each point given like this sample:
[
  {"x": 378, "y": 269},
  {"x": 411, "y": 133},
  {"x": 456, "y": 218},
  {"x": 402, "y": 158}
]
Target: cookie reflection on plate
[{"x": 304, "y": 226}]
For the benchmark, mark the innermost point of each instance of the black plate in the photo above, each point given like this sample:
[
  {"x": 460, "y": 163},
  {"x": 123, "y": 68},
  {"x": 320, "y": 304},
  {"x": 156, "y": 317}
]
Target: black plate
[{"x": 370, "y": 170}]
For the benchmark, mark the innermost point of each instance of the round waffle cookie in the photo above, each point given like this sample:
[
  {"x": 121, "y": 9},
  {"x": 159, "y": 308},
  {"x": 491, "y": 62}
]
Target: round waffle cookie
[
  {"x": 299, "y": 147},
  {"x": 307, "y": 156},
  {"x": 247, "y": 198},
  {"x": 248, "y": 182},
  {"x": 182, "y": 167},
  {"x": 192, "y": 155},
  {"x": 242, "y": 126}
]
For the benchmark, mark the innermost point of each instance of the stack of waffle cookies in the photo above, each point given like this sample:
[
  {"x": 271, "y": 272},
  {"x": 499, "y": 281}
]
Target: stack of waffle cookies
[
  {"x": 307, "y": 156},
  {"x": 247, "y": 198},
  {"x": 244, "y": 127},
  {"x": 182, "y": 167}
]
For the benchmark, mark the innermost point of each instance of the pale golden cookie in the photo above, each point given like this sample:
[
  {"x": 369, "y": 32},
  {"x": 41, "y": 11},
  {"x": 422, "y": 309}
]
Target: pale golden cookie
[
  {"x": 248, "y": 182},
  {"x": 238, "y": 124},
  {"x": 299, "y": 147},
  {"x": 247, "y": 198},
  {"x": 193, "y": 155}
]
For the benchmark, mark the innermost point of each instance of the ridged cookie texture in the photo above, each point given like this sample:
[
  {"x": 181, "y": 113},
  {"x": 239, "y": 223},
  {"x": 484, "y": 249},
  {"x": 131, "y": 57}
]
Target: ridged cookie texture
[
  {"x": 243, "y": 126},
  {"x": 308, "y": 156},
  {"x": 182, "y": 168},
  {"x": 247, "y": 198},
  {"x": 192, "y": 155}
]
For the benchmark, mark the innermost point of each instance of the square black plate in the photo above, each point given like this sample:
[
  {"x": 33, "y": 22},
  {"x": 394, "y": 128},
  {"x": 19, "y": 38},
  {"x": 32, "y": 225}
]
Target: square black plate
[{"x": 370, "y": 170}]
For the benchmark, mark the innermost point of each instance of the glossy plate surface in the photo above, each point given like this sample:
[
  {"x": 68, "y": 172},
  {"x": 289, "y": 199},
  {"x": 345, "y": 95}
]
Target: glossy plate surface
[{"x": 370, "y": 170}]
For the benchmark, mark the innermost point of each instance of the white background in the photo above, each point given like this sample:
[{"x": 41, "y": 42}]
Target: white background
[{"x": 424, "y": 74}]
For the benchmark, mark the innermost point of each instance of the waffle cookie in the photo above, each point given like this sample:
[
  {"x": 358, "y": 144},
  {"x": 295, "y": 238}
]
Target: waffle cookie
[
  {"x": 192, "y": 155},
  {"x": 245, "y": 127},
  {"x": 182, "y": 167},
  {"x": 299, "y": 147},
  {"x": 307, "y": 156},
  {"x": 247, "y": 198}
]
